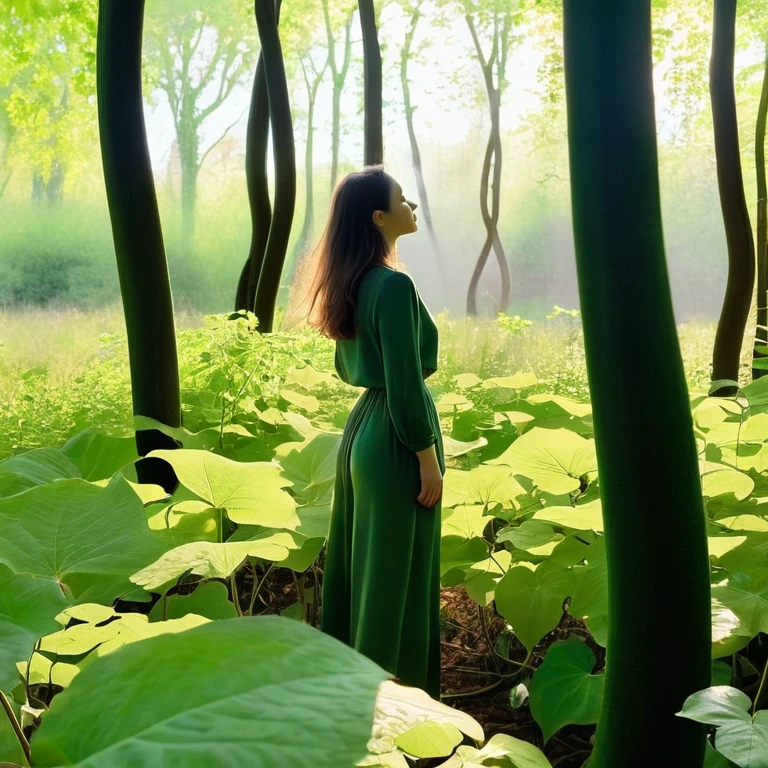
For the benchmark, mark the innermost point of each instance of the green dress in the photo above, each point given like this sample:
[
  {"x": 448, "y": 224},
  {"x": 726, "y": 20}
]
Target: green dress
[{"x": 381, "y": 586}]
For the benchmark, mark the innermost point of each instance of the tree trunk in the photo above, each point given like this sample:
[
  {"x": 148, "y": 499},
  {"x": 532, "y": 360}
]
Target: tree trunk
[
  {"x": 421, "y": 186},
  {"x": 338, "y": 77},
  {"x": 738, "y": 230},
  {"x": 138, "y": 238},
  {"x": 374, "y": 130},
  {"x": 309, "y": 201},
  {"x": 492, "y": 161},
  {"x": 761, "y": 336},
  {"x": 658, "y": 585},
  {"x": 256, "y": 146},
  {"x": 285, "y": 164},
  {"x": 189, "y": 146}
]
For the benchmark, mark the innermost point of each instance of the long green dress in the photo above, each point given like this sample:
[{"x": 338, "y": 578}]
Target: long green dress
[{"x": 381, "y": 587}]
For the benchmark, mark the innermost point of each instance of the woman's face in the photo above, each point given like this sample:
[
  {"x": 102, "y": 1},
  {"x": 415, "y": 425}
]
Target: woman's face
[{"x": 400, "y": 219}]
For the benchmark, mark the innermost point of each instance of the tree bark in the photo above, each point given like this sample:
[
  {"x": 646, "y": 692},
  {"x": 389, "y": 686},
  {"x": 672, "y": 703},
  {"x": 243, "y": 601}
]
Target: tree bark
[
  {"x": 738, "y": 230},
  {"x": 374, "y": 130},
  {"x": 658, "y": 585},
  {"x": 285, "y": 164},
  {"x": 761, "y": 335},
  {"x": 256, "y": 147},
  {"x": 141, "y": 263}
]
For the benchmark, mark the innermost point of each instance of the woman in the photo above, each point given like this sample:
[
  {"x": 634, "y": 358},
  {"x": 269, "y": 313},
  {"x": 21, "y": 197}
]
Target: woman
[{"x": 381, "y": 588}]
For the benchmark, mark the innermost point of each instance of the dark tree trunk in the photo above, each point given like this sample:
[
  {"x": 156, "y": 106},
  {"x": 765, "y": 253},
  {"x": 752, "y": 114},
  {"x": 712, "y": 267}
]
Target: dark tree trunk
[
  {"x": 374, "y": 131},
  {"x": 256, "y": 147},
  {"x": 738, "y": 230},
  {"x": 285, "y": 164},
  {"x": 658, "y": 586},
  {"x": 761, "y": 336},
  {"x": 138, "y": 238}
]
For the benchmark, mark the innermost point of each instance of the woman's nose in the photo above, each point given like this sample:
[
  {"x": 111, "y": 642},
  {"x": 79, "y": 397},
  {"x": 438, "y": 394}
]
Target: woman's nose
[{"x": 414, "y": 206}]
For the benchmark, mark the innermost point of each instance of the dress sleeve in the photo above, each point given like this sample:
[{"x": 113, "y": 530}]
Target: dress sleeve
[{"x": 397, "y": 319}]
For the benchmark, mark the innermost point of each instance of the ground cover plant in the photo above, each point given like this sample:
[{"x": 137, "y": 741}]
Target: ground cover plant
[{"x": 92, "y": 562}]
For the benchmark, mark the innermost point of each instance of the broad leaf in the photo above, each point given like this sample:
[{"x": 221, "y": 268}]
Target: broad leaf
[
  {"x": 555, "y": 459},
  {"x": 37, "y": 467},
  {"x": 88, "y": 538},
  {"x": 564, "y": 691},
  {"x": 181, "y": 704}
]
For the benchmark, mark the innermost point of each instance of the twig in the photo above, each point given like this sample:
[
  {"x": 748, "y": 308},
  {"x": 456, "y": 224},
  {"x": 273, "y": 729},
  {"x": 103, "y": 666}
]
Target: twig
[{"x": 16, "y": 727}]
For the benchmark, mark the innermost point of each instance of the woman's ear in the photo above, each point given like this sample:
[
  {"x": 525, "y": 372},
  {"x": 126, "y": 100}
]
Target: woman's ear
[{"x": 378, "y": 218}]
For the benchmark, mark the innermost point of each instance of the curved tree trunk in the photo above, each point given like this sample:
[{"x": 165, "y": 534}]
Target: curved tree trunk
[
  {"x": 256, "y": 146},
  {"x": 285, "y": 164},
  {"x": 309, "y": 202},
  {"x": 415, "y": 153},
  {"x": 658, "y": 586},
  {"x": 492, "y": 162},
  {"x": 374, "y": 130},
  {"x": 138, "y": 238},
  {"x": 738, "y": 230},
  {"x": 761, "y": 336}
]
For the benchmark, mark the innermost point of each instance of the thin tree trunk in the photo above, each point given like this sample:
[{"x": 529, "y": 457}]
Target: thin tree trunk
[
  {"x": 338, "y": 76},
  {"x": 256, "y": 147},
  {"x": 374, "y": 130},
  {"x": 421, "y": 186},
  {"x": 309, "y": 203},
  {"x": 133, "y": 210},
  {"x": 658, "y": 586},
  {"x": 738, "y": 230},
  {"x": 761, "y": 336},
  {"x": 493, "y": 154},
  {"x": 281, "y": 124}
]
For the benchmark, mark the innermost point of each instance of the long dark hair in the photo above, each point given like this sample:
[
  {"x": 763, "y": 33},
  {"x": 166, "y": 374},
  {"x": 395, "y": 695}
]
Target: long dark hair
[{"x": 350, "y": 246}]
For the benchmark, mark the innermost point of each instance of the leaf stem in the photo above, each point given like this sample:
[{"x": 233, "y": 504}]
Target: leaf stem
[{"x": 16, "y": 727}]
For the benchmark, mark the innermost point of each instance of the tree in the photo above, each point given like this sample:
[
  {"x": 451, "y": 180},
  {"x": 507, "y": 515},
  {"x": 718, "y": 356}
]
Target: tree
[
  {"x": 281, "y": 123},
  {"x": 141, "y": 262},
  {"x": 497, "y": 17},
  {"x": 256, "y": 146},
  {"x": 738, "y": 230},
  {"x": 762, "y": 225},
  {"x": 374, "y": 128},
  {"x": 334, "y": 18},
  {"x": 658, "y": 586},
  {"x": 194, "y": 48},
  {"x": 48, "y": 73},
  {"x": 414, "y": 9}
]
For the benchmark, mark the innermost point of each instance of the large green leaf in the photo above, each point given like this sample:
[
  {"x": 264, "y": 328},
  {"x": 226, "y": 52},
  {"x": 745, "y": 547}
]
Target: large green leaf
[
  {"x": 555, "y": 459},
  {"x": 311, "y": 467},
  {"x": 220, "y": 694},
  {"x": 465, "y": 520},
  {"x": 501, "y": 751},
  {"x": 212, "y": 561},
  {"x": 483, "y": 484},
  {"x": 532, "y": 600},
  {"x": 251, "y": 492},
  {"x": 582, "y": 517},
  {"x": 37, "y": 467},
  {"x": 729, "y": 634},
  {"x": 740, "y": 737},
  {"x": 747, "y": 596},
  {"x": 210, "y": 599},
  {"x": 430, "y": 739},
  {"x": 90, "y": 539},
  {"x": 28, "y": 606},
  {"x": 99, "y": 456},
  {"x": 563, "y": 690},
  {"x": 400, "y": 709}
]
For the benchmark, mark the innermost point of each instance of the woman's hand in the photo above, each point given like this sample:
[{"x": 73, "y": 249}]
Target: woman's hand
[{"x": 431, "y": 478}]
